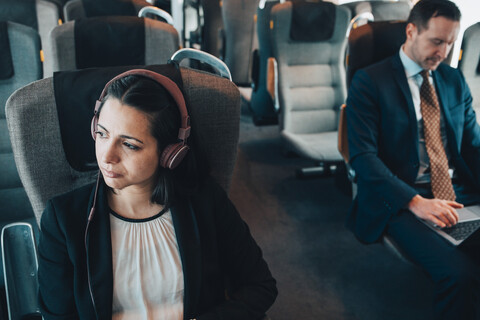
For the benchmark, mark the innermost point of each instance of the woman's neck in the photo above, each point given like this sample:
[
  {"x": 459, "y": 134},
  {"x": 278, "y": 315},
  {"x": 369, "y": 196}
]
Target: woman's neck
[{"x": 133, "y": 205}]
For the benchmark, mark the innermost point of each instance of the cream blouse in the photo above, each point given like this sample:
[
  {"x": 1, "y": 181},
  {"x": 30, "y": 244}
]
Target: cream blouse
[{"x": 147, "y": 269}]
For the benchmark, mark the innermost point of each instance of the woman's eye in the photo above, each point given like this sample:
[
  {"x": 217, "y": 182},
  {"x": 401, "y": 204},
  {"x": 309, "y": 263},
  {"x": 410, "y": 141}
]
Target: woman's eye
[
  {"x": 130, "y": 146},
  {"x": 101, "y": 134}
]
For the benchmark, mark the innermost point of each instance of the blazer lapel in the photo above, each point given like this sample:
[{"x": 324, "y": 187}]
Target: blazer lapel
[
  {"x": 99, "y": 256},
  {"x": 401, "y": 79},
  {"x": 188, "y": 239},
  {"x": 442, "y": 98}
]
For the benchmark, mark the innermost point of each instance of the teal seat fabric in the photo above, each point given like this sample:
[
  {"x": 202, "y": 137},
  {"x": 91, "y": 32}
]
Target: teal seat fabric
[{"x": 24, "y": 47}]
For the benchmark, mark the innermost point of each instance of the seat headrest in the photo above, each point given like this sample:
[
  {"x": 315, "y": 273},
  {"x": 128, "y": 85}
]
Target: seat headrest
[
  {"x": 312, "y": 21},
  {"x": 6, "y": 63},
  {"x": 109, "y": 42},
  {"x": 23, "y": 12},
  {"x": 75, "y": 94},
  {"x": 373, "y": 42},
  {"x": 96, "y": 8}
]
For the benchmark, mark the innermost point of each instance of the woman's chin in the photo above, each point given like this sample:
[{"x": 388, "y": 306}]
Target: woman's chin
[{"x": 113, "y": 183}]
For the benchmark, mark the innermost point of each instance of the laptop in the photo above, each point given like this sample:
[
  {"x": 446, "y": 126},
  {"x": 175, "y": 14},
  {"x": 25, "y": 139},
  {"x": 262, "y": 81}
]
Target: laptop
[{"x": 468, "y": 224}]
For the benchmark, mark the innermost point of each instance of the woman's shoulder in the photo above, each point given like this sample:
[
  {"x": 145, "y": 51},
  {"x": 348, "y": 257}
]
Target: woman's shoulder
[
  {"x": 79, "y": 195},
  {"x": 69, "y": 205}
]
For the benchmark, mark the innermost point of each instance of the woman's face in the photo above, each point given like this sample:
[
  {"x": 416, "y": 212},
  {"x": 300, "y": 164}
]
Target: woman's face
[{"x": 126, "y": 151}]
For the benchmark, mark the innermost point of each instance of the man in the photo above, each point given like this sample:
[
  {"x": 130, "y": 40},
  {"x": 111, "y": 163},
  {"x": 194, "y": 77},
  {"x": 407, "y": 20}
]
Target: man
[{"x": 408, "y": 168}]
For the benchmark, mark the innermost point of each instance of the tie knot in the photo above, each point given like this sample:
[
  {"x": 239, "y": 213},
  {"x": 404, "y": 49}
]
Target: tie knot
[{"x": 425, "y": 75}]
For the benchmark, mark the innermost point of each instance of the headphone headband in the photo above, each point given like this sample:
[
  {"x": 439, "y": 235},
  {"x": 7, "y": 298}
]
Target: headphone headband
[{"x": 168, "y": 84}]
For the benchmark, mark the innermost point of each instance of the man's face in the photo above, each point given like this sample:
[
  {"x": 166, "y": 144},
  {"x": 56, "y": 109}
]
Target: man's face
[{"x": 429, "y": 47}]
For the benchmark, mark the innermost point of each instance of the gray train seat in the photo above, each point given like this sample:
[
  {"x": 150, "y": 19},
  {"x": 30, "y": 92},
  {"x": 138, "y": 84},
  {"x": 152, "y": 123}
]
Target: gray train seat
[
  {"x": 212, "y": 26},
  {"x": 111, "y": 41},
  {"x": 19, "y": 65},
  {"x": 240, "y": 38},
  {"x": 311, "y": 78},
  {"x": 469, "y": 63},
  {"x": 40, "y": 15},
  {"x": 76, "y": 9},
  {"x": 48, "y": 168},
  {"x": 380, "y": 10},
  {"x": 263, "y": 73}
]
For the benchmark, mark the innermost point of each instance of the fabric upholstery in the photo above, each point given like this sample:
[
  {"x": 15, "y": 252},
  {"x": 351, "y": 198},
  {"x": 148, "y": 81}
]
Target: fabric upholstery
[
  {"x": 161, "y": 41},
  {"x": 240, "y": 37},
  {"x": 311, "y": 86},
  {"x": 24, "y": 44},
  {"x": 381, "y": 10},
  {"x": 73, "y": 10},
  {"x": 23, "y": 12},
  {"x": 261, "y": 103},
  {"x": 76, "y": 9},
  {"x": 109, "y": 41},
  {"x": 312, "y": 21},
  {"x": 212, "y": 24},
  {"x": 373, "y": 42},
  {"x": 41, "y": 15},
  {"x": 470, "y": 63},
  {"x": 33, "y": 124},
  {"x": 6, "y": 63}
]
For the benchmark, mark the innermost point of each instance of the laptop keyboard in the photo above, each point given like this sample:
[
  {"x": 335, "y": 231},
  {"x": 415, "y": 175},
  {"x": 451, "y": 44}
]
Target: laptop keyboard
[{"x": 462, "y": 230}]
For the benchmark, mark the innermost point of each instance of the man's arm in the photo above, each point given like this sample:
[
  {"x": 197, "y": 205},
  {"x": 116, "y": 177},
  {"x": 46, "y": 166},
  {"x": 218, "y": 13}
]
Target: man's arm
[{"x": 364, "y": 128}]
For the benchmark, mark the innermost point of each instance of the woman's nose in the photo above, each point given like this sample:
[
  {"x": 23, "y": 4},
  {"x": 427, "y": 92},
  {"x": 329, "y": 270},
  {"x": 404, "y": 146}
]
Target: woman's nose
[{"x": 110, "y": 154}]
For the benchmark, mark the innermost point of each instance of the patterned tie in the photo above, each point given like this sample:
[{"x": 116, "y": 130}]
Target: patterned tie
[{"x": 440, "y": 180}]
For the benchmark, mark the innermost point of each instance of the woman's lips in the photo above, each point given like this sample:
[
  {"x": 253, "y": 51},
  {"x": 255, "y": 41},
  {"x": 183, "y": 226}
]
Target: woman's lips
[{"x": 110, "y": 174}]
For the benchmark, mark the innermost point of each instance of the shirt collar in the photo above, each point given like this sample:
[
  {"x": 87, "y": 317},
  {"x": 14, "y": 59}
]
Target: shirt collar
[{"x": 410, "y": 66}]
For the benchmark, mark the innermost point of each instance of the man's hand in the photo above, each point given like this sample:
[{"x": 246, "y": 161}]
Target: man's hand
[{"x": 440, "y": 212}]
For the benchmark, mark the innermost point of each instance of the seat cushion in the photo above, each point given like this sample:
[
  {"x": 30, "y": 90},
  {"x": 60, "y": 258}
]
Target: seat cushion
[{"x": 316, "y": 146}]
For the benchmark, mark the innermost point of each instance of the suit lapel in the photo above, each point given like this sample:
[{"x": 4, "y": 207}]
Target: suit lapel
[
  {"x": 401, "y": 79},
  {"x": 186, "y": 230},
  {"x": 99, "y": 259},
  {"x": 442, "y": 99}
]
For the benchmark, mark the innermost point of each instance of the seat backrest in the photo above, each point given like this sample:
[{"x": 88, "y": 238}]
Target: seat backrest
[
  {"x": 470, "y": 62},
  {"x": 373, "y": 42},
  {"x": 53, "y": 157},
  {"x": 212, "y": 24},
  {"x": 77, "y": 9},
  {"x": 311, "y": 72},
  {"x": 19, "y": 65},
  {"x": 111, "y": 41},
  {"x": 240, "y": 37},
  {"x": 40, "y": 15},
  {"x": 381, "y": 10},
  {"x": 261, "y": 103}
]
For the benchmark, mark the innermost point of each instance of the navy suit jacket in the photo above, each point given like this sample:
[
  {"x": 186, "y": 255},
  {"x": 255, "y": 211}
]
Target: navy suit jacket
[
  {"x": 383, "y": 140},
  {"x": 219, "y": 257}
]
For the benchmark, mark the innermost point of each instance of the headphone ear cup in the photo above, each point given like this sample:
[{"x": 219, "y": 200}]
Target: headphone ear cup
[
  {"x": 93, "y": 126},
  {"x": 173, "y": 154}
]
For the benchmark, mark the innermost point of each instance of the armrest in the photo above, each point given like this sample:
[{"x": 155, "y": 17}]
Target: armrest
[
  {"x": 272, "y": 81},
  {"x": 343, "y": 143},
  {"x": 20, "y": 266}
]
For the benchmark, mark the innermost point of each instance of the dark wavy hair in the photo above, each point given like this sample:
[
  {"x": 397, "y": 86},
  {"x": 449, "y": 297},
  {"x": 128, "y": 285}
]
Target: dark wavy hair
[
  {"x": 424, "y": 10},
  {"x": 151, "y": 98}
]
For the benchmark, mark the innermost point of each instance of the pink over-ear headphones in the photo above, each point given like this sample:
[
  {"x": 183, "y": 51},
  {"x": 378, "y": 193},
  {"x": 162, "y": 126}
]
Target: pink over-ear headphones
[{"x": 173, "y": 154}]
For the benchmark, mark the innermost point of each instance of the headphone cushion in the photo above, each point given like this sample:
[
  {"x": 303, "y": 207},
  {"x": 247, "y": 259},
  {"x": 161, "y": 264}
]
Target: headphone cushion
[
  {"x": 173, "y": 154},
  {"x": 93, "y": 126}
]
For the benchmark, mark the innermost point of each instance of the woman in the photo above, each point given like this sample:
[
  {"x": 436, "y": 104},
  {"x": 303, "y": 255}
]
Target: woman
[{"x": 155, "y": 238}]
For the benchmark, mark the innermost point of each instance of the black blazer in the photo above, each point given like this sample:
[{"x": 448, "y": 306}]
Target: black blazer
[
  {"x": 220, "y": 258},
  {"x": 383, "y": 140}
]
